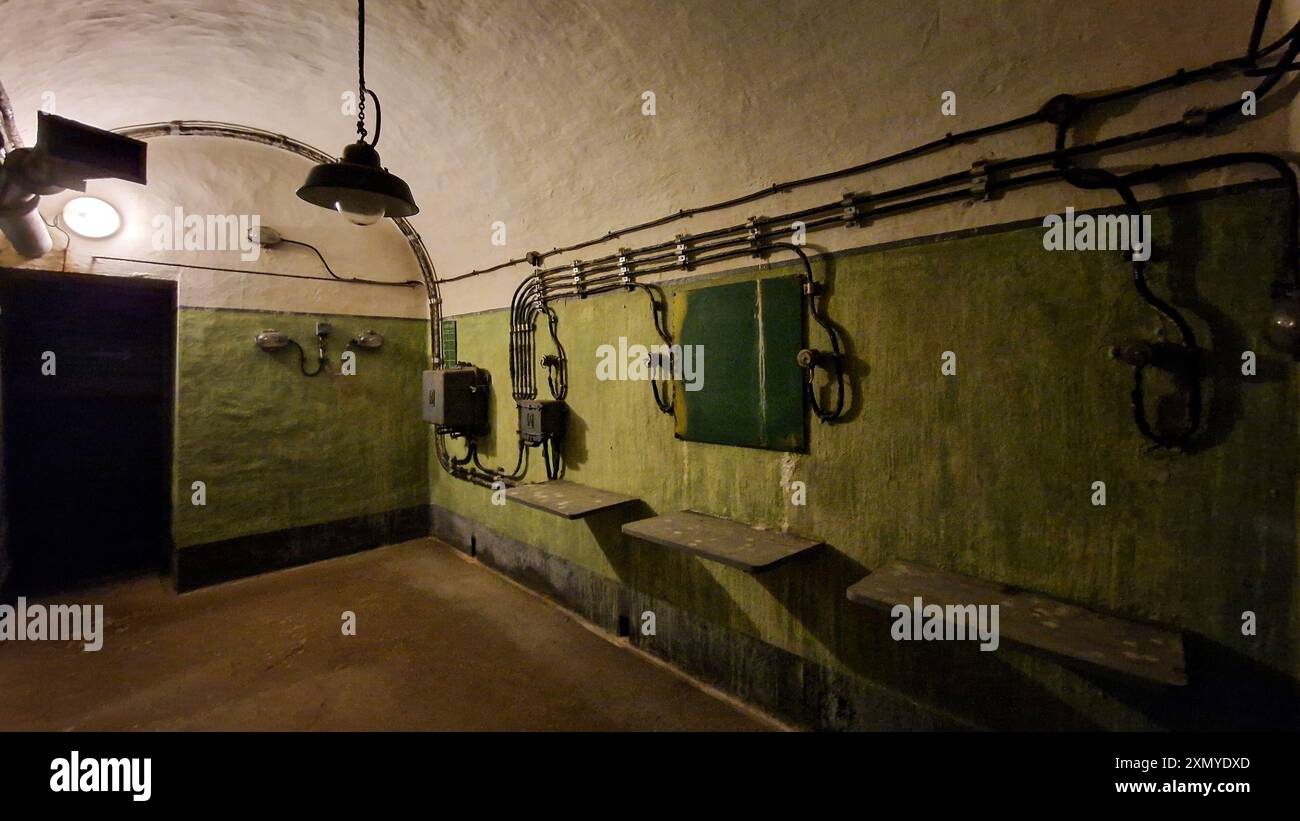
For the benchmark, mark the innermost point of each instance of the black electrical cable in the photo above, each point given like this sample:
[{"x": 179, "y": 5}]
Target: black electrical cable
[
  {"x": 521, "y": 465},
  {"x": 1279, "y": 42},
  {"x": 205, "y": 128},
  {"x": 1186, "y": 369},
  {"x": 1257, "y": 30},
  {"x": 659, "y": 313},
  {"x": 97, "y": 258},
  {"x": 403, "y": 284},
  {"x": 379, "y": 117},
  {"x": 67, "y": 241},
  {"x": 553, "y": 458},
  {"x": 813, "y": 291},
  {"x": 557, "y": 377},
  {"x": 1291, "y": 250},
  {"x": 535, "y": 292},
  {"x": 302, "y": 361},
  {"x": 1178, "y": 78},
  {"x": 546, "y": 459},
  {"x": 456, "y": 467}
]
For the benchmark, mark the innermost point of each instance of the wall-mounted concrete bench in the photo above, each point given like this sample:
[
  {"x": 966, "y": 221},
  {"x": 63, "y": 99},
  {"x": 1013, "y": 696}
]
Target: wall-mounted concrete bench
[
  {"x": 567, "y": 499},
  {"x": 1107, "y": 644},
  {"x": 721, "y": 540}
]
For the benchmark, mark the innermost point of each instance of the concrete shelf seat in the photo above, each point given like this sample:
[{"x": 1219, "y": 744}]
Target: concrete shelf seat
[
  {"x": 1106, "y": 644},
  {"x": 567, "y": 499},
  {"x": 721, "y": 540}
]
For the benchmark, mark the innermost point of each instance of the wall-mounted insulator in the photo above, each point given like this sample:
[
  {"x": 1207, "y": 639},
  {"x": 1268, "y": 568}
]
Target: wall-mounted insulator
[
  {"x": 979, "y": 181},
  {"x": 1063, "y": 109},
  {"x": 578, "y": 284},
  {"x": 683, "y": 253},
  {"x": 1195, "y": 120},
  {"x": 625, "y": 266},
  {"x": 754, "y": 231},
  {"x": 810, "y": 358},
  {"x": 849, "y": 210}
]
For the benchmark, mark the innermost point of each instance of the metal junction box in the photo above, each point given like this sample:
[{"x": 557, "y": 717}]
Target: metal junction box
[
  {"x": 541, "y": 419},
  {"x": 457, "y": 398}
]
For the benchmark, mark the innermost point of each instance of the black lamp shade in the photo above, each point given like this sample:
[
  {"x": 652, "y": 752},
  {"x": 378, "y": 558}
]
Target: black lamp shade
[{"x": 358, "y": 183}]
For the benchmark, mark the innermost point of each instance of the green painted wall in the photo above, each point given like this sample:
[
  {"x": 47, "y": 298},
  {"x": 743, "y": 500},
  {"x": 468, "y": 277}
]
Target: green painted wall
[
  {"x": 279, "y": 450},
  {"x": 987, "y": 473}
]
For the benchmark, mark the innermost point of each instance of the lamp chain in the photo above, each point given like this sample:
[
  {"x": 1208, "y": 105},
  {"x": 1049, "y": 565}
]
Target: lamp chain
[{"x": 361, "y": 70}]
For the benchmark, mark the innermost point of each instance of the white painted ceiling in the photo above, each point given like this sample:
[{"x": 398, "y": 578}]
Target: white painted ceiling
[{"x": 528, "y": 111}]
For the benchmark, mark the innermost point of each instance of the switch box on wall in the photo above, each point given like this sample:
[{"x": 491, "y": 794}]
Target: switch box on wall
[
  {"x": 456, "y": 398},
  {"x": 542, "y": 419}
]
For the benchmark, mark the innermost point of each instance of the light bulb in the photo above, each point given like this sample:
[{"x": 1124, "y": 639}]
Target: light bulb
[
  {"x": 360, "y": 214},
  {"x": 1284, "y": 324},
  {"x": 91, "y": 217}
]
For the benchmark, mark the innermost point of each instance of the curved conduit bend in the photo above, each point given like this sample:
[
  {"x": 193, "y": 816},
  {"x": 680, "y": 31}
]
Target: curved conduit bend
[{"x": 234, "y": 131}]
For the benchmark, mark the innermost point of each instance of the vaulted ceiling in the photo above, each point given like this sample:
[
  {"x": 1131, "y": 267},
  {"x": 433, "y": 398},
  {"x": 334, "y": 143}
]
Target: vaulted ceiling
[{"x": 529, "y": 111}]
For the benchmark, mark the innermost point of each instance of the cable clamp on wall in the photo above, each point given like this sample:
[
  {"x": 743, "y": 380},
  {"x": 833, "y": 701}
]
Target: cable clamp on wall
[
  {"x": 683, "y": 252},
  {"x": 979, "y": 181},
  {"x": 850, "y": 212},
  {"x": 1195, "y": 120},
  {"x": 578, "y": 284},
  {"x": 754, "y": 231},
  {"x": 625, "y": 266}
]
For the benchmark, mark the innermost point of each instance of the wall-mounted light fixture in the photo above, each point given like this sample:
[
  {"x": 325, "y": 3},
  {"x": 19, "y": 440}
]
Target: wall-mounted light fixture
[
  {"x": 1284, "y": 324},
  {"x": 272, "y": 341},
  {"x": 368, "y": 339},
  {"x": 91, "y": 217},
  {"x": 358, "y": 186}
]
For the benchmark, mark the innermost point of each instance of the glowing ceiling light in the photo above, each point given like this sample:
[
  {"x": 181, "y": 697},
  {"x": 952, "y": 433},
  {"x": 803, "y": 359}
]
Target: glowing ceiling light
[{"x": 91, "y": 217}]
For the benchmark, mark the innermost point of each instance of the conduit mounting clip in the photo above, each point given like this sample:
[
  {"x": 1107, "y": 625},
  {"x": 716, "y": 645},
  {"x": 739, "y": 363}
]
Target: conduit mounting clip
[
  {"x": 578, "y": 284},
  {"x": 754, "y": 231},
  {"x": 683, "y": 252},
  {"x": 625, "y": 266},
  {"x": 1195, "y": 120},
  {"x": 979, "y": 181},
  {"x": 850, "y": 213}
]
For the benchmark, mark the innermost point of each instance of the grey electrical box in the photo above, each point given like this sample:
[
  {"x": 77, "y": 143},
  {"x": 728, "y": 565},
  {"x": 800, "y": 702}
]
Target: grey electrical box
[
  {"x": 542, "y": 419},
  {"x": 457, "y": 398}
]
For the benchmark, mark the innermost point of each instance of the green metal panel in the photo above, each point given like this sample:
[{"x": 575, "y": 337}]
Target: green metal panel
[
  {"x": 752, "y": 392},
  {"x": 987, "y": 473},
  {"x": 449, "y": 353},
  {"x": 780, "y": 301}
]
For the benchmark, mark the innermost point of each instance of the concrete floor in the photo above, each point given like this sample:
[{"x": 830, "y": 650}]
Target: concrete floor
[{"x": 442, "y": 644}]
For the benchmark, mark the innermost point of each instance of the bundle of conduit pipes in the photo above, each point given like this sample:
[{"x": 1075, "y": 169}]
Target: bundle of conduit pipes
[{"x": 760, "y": 236}]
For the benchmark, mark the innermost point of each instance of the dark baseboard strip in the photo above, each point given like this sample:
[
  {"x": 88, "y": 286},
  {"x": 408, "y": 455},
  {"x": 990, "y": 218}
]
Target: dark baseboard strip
[
  {"x": 786, "y": 685},
  {"x": 206, "y": 564}
]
